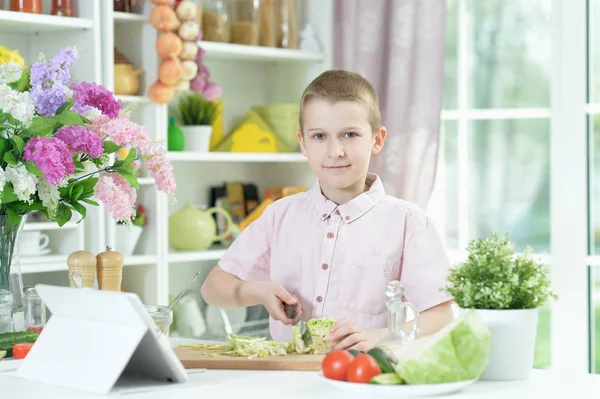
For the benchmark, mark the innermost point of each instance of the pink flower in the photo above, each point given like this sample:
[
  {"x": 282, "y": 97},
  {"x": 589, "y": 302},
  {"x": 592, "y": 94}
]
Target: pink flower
[
  {"x": 79, "y": 139},
  {"x": 198, "y": 83},
  {"x": 94, "y": 95},
  {"x": 117, "y": 194},
  {"x": 51, "y": 156},
  {"x": 162, "y": 170}
]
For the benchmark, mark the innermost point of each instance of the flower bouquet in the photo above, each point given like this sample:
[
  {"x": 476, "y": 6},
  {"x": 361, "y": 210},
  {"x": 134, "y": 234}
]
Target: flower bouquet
[{"x": 55, "y": 146}]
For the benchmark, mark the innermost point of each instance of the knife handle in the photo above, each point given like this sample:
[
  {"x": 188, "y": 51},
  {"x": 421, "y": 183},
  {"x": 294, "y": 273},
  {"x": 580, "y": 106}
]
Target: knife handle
[{"x": 290, "y": 311}]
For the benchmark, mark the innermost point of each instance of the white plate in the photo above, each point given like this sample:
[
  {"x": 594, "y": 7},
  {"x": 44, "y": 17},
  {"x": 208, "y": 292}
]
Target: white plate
[
  {"x": 44, "y": 251},
  {"x": 397, "y": 391}
]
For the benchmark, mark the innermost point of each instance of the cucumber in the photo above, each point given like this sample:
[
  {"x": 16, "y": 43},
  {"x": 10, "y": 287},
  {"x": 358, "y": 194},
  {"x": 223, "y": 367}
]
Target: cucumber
[
  {"x": 387, "y": 379},
  {"x": 7, "y": 340},
  {"x": 354, "y": 352},
  {"x": 382, "y": 359}
]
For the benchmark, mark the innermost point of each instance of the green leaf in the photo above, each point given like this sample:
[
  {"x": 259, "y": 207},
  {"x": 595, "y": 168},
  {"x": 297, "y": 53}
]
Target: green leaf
[
  {"x": 31, "y": 168},
  {"x": 3, "y": 145},
  {"x": 69, "y": 118},
  {"x": 91, "y": 202},
  {"x": 86, "y": 120},
  {"x": 89, "y": 183},
  {"x": 36, "y": 206},
  {"x": 10, "y": 159},
  {"x": 42, "y": 126},
  {"x": 13, "y": 216},
  {"x": 77, "y": 191},
  {"x": 110, "y": 147},
  {"x": 63, "y": 214},
  {"x": 3, "y": 117},
  {"x": 130, "y": 177},
  {"x": 12, "y": 120},
  {"x": 78, "y": 165},
  {"x": 8, "y": 194},
  {"x": 65, "y": 106},
  {"x": 80, "y": 209},
  {"x": 19, "y": 144}
]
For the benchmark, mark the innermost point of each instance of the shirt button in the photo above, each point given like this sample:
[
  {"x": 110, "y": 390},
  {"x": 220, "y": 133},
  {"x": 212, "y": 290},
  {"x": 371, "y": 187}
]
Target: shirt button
[
  {"x": 337, "y": 212},
  {"x": 329, "y": 235},
  {"x": 319, "y": 299},
  {"x": 324, "y": 266},
  {"x": 347, "y": 218},
  {"x": 324, "y": 215}
]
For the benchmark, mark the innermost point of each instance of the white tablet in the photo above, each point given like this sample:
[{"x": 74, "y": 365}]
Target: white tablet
[{"x": 96, "y": 341}]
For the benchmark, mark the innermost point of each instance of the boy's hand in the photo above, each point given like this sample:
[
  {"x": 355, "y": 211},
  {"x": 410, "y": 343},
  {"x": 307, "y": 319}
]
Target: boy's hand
[
  {"x": 272, "y": 296},
  {"x": 348, "y": 335}
]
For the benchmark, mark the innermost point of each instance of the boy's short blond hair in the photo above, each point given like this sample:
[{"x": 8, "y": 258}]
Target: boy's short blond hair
[{"x": 339, "y": 85}]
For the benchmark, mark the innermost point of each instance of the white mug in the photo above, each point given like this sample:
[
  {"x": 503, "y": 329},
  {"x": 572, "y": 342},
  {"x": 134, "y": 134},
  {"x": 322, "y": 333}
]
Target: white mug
[{"x": 33, "y": 242}]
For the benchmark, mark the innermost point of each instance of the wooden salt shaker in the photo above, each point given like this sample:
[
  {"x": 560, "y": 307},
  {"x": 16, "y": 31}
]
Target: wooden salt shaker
[
  {"x": 84, "y": 263},
  {"x": 110, "y": 270}
]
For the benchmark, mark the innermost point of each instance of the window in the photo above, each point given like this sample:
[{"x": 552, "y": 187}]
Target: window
[{"x": 496, "y": 128}]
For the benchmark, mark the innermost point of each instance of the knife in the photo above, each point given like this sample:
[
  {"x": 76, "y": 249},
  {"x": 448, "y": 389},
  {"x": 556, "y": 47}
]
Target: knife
[{"x": 291, "y": 313}]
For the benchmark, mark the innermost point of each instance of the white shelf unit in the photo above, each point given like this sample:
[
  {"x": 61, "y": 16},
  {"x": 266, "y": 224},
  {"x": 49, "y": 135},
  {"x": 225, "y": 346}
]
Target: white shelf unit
[{"x": 249, "y": 75}]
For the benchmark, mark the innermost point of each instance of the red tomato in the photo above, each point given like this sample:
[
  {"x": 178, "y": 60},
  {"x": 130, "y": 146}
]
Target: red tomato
[
  {"x": 363, "y": 368},
  {"x": 21, "y": 350},
  {"x": 335, "y": 364}
]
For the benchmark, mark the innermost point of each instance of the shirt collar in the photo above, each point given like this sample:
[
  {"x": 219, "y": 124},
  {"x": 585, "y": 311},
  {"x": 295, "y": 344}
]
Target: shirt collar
[{"x": 353, "y": 209}]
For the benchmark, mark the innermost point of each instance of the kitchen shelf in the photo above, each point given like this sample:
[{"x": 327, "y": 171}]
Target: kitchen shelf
[
  {"x": 138, "y": 260},
  {"x": 196, "y": 256},
  {"x": 134, "y": 99},
  {"x": 50, "y": 226},
  {"x": 186, "y": 156},
  {"x": 243, "y": 52},
  {"x": 129, "y": 17},
  {"x": 146, "y": 181},
  {"x": 23, "y": 22},
  {"x": 42, "y": 264}
]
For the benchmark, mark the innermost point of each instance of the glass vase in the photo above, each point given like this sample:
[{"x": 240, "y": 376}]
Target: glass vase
[{"x": 10, "y": 269}]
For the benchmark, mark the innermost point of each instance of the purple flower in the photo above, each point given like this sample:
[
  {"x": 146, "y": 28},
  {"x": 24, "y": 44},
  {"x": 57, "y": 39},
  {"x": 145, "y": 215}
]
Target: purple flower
[
  {"x": 200, "y": 55},
  {"x": 79, "y": 139},
  {"x": 48, "y": 100},
  {"x": 51, "y": 156},
  {"x": 198, "y": 83},
  {"x": 94, "y": 95},
  {"x": 212, "y": 91}
]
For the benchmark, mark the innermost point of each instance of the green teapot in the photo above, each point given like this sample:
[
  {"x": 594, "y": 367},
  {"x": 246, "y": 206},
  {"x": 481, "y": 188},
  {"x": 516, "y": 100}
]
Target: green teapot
[{"x": 193, "y": 229}]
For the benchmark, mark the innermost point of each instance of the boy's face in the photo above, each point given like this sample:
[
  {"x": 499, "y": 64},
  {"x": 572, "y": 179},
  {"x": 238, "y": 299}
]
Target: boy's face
[{"x": 338, "y": 142}]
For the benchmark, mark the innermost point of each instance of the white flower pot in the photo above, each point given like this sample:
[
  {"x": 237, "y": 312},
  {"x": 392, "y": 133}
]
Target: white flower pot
[
  {"x": 197, "y": 137},
  {"x": 127, "y": 238},
  {"x": 513, "y": 334}
]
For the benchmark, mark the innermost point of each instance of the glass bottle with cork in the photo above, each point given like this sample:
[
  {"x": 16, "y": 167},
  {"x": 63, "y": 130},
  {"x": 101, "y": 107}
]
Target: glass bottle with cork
[{"x": 35, "y": 311}]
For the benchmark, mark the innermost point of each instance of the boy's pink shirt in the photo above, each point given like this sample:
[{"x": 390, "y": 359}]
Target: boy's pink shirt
[{"x": 337, "y": 260}]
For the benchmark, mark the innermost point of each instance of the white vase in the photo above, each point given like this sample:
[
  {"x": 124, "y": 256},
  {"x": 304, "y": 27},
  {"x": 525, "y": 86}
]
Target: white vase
[
  {"x": 512, "y": 349},
  {"x": 197, "y": 137},
  {"x": 127, "y": 238}
]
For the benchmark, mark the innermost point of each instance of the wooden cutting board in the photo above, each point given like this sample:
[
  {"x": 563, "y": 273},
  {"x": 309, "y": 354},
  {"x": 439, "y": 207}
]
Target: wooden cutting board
[{"x": 211, "y": 359}]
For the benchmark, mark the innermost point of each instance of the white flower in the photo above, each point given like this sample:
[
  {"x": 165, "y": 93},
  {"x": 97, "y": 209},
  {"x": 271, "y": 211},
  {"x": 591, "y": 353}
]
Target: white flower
[
  {"x": 88, "y": 167},
  {"x": 10, "y": 72},
  {"x": 23, "y": 182},
  {"x": 17, "y": 104},
  {"x": 49, "y": 196}
]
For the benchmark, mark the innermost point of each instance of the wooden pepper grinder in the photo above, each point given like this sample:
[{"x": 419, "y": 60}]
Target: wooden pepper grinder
[
  {"x": 84, "y": 263},
  {"x": 110, "y": 270}
]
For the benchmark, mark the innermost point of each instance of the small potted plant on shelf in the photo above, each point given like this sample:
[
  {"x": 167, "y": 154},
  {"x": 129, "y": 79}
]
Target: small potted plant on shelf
[
  {"x": 507, "y": 290},
  {"x": 196, "y": 114},
  {"x": 127, "y": 236}
]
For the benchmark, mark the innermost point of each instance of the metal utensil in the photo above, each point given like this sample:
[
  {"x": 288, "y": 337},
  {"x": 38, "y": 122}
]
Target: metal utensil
[
  {"x": 182, "y": 293},
  {"x": 291, "y": 312}
]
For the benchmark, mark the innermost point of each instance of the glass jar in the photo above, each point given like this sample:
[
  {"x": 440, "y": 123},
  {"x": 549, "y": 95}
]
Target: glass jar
[
  {"x": 6, "y": 322},
  {"x": 268, "y": 33},
  {"x": 63, "y": 8},
  {"x": 245, "y": 26},
  {"x": 287, "y": 26},
  {"x": 162, "y": 316},
  {"x": 31, "y": 6},
  {"x": 35, "y": 311},
  {"x": 216, "y": 25}
]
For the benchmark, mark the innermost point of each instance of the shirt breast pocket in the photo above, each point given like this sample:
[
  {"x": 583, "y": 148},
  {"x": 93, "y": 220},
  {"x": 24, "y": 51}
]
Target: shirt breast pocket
[{"x": 363, "y": 283}]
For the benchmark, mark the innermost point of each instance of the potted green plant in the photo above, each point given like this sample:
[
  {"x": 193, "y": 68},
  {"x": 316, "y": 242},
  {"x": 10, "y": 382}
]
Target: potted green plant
[
  {"x": 196, "y": 115},
  {"x": 507, "y": 290}
]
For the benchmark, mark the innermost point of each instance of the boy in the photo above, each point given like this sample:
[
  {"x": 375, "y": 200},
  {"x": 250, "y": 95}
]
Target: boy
[{"x": 332, "y": 250}]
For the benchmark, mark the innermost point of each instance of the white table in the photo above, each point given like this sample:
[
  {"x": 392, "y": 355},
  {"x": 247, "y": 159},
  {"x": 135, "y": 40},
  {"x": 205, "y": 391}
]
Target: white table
[{"x": 241, "y": 384}]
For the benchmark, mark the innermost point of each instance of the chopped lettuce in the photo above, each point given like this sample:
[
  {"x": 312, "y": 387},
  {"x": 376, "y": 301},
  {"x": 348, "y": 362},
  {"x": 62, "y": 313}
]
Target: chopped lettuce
[
  {"x": 253, "y": 347},
  {"x": 319, "y": 330}
]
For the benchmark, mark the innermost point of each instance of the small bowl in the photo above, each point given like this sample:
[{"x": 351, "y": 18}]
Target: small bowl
[{"x": 162, "y": 316}]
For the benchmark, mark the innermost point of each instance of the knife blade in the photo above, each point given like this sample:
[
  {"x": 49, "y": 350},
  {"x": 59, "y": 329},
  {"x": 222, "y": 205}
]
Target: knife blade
[{"x": 291, "y": 312}]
